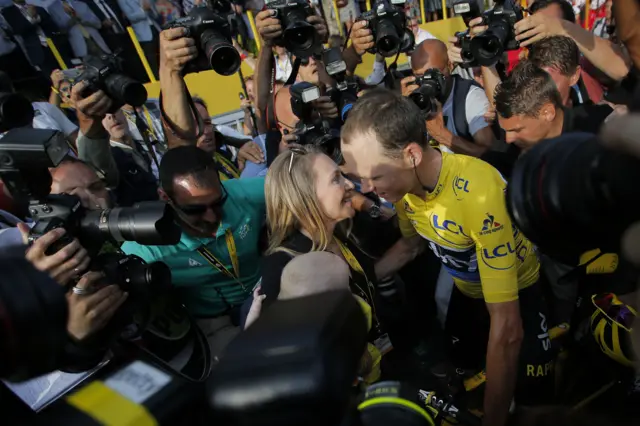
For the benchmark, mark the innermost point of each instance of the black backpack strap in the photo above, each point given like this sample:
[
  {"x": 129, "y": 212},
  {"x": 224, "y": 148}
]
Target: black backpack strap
[{"x": 461, "y": 89}]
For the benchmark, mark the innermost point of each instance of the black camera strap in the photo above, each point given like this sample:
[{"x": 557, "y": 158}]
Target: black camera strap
[{"x": 294, "y": 72}]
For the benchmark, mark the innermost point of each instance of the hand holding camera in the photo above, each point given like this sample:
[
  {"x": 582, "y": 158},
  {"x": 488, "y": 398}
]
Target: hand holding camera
[
  {"x": 176, "y": 50},
  {"x": 90, "y": 110},
  {"x": 63, "y": 265},
  {"x": 362, "y": 37},
  {"x": 91, "y": 305},
  {"x": 298, "y": 29},
  {"x": 325, "y": 107},
  {"x": 408, "y": 85},
  {"x": 268, "y": 26}
]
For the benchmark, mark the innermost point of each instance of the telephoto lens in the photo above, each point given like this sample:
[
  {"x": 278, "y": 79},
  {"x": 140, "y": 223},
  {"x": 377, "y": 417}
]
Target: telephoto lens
[
  {"x": 387, "y": 39},
  {"x": 125, "y": 90},
  {"x": 222, "y": 56},
  {"x": 570, "y": 194},
  {"x": 424, "y": 98},
  {"x": 299, "y": 35},
  {"x": 15, "y": 111},
  {"x": 33, "y": 321},
  {"x": 147, "y": 223},
  {"x": 488, "y": 46}
]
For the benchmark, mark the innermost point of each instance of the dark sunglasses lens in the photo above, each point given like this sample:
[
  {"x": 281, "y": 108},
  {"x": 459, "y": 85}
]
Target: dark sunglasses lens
[
  {"x": 193, "y": 210},
  {"x": 304, "y": 62}
]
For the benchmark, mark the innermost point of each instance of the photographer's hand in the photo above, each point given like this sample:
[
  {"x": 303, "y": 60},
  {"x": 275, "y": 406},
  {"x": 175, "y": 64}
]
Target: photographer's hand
[
  {"x": 249, "y": 151},
  {"x": 89, "y": 313},
  {"x": 325, "y": 106},
  {"x": 320, "y": 26},
  {"x": 454, "y": 51},
  {"x": 90, "y": 111},
  {"x": 268, "y": 26},
  {"x": 176, "y": 50},
  {"x": 408, "y": 85},
  {"x": 67, "y": 263},
  {"x": 361, "y": 37},
  {"x": 256, "y": 307},
  {"x": 476, "y": 26},
  {"x": 536, "y": 27}
]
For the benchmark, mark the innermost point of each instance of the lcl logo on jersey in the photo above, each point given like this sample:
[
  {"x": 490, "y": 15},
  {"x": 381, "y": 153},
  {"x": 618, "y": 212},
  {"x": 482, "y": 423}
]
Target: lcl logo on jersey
[
  {"x": 492, "y": 257},
  {"x": 460, "y": 186},
  {"x": 446, "y": 225}
]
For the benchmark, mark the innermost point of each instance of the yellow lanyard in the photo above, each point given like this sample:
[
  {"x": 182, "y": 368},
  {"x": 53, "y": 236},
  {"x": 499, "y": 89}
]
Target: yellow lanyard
[
  {"x": 147, "y": 117},
  {"x": 355, "y": 265},
  {"x": 227, "y": 166},
  {"x": 233, "y": 254}
]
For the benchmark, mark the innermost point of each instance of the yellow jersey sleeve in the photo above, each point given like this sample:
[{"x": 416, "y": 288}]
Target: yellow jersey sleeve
[
  {"x": 491, "y": 230},
  {"x": 406, "y": 227}
]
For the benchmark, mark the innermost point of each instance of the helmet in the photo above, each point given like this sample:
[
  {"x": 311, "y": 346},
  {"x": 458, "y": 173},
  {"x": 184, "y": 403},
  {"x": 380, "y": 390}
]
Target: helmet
[{"x": 610, "y": 324}]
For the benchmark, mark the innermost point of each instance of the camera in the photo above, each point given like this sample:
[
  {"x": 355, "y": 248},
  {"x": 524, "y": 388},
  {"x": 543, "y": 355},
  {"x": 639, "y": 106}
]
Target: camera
[
  {"x": 464, "y": 42},
  {"x": 570, "y": 194},
  {"x": 432, "y": 90},
  {"x": 212, "y": 31},
  {"x": 298, "y": 36},
  {"x": 313, "y": 129},
  {"x": 488, "y": 46},
  {"x": 106, "y": 73},
  {"x": 15, "y": 111},
  {"x": 388, "y": 25},
  {"x": 345, "y": 91},
  {"x": 25, "y": 158},
  {"x": 467, "y": 9}
]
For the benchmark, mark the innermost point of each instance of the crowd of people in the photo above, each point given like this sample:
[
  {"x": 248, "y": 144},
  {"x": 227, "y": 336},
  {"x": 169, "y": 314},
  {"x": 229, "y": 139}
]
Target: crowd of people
[{"x": 267, "y": 216}]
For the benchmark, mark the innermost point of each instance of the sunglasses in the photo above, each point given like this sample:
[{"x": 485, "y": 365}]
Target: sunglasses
[
  {"x": 305, "y": 61},
  {"x": 611, "y": 306},
  {"x": 200, "y": 209}
]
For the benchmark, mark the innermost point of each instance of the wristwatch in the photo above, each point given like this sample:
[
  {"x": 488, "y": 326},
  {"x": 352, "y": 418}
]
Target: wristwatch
[{"x": 374, "y": 212}]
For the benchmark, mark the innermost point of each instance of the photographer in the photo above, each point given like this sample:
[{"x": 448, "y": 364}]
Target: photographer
[
  {"x": 459, "y": 124},
  {"x": 457, "y": 203},
  {"x": 215, "y": 265},
  {"x": 530, "y": 108}
]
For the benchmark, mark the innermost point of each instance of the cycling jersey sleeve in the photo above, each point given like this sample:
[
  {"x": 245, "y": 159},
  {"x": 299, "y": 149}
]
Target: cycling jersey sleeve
[
  {"x": 491, "y": 230},
  {"x": 406, "y": 228}
]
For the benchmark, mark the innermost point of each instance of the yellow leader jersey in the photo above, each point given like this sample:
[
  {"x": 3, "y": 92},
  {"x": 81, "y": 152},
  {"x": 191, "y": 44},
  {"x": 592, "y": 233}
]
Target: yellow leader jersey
[{"x": 466, "y": 222}]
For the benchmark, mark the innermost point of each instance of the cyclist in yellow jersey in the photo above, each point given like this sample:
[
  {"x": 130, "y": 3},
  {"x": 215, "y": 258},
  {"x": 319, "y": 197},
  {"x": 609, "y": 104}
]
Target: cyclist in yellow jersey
[{"x": 455, "y": 205}]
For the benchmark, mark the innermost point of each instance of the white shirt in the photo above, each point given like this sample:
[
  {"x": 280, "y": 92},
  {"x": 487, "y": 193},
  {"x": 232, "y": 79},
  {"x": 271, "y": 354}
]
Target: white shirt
[
  {"x": 109, "y": 13},
  {"x": 476, "y": 106},
  {"x": 423, "y": 35},
  {"x": 283, "y": 68},
  {"x": 47, "y": 116}
]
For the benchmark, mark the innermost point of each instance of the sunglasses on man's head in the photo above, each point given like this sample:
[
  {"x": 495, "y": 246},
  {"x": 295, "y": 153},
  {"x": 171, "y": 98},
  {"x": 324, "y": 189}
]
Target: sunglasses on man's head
[{"x": 200, "y": 209}]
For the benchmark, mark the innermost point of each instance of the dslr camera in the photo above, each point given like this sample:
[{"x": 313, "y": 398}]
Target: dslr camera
[
  {"x": 25, "y": 158},
  {"x": 467, "y": 10},
  {"x": 388, "y": 24},
  {"x": 312, "y": 129},
  {"x": 488, "y": 46},
  {"x": 464, "y": 43},
  {"x": 345, "y": 91},
  {"x": 298, "y": 36},
  {"x": 106, "y": 73},
  {"x": 212, "y": 31},
  {"x": 432, "y": 87}
]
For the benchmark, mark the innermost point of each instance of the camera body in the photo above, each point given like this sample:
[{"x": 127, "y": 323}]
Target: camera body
[
  {"x": 464, "y": 43},
  {"x": 487, "y": 47},
  {"x": 106, "y": 73},
  {"x": 298, "y": 36},
  {"x": 467, "y": 9},
  {"x": 388, "y": 26},
  {"x": 212, "y": 31},
  {"x": 345, "y": 91},
  {"x": 432, "y": 87}
]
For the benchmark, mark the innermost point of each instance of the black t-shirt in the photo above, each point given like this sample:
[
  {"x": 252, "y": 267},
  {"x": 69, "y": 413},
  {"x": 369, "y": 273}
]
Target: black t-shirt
[
  {"x": 273, "y": 265},
  {"x": 585, "y": 118}
]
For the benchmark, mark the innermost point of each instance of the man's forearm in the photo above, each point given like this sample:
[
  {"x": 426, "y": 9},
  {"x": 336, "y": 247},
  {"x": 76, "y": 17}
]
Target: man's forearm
[
  {"x": 502, "y": 370},
  {"x": 351, "y": 59},
  {"x": 401, "y": 253},
  {"x": 603, "y": 54},
  {"x": 175, "y": 103},
  {"x": 262, "y": 78},
  {"x": 627, "y": 14},
  {"x": 458, "y": 144},
  {"x": 491, "y": 79},
  {"x": 97, "y": 152}
]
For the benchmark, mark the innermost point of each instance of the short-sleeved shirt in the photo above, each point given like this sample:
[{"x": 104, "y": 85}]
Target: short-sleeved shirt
[
  {"x": 476, "y": 106},
  {"x": 466, "y": 222},
  {"x": 206, "y": 291}
]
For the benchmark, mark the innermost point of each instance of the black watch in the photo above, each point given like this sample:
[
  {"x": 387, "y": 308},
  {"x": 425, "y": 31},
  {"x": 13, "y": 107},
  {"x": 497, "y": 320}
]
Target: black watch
[{"x": 375, "y": 212}]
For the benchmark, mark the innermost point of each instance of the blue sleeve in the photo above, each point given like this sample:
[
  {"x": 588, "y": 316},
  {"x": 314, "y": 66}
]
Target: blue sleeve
[
  {"x": 144, "y": 252},
  {"x": 256, "y": 170}
]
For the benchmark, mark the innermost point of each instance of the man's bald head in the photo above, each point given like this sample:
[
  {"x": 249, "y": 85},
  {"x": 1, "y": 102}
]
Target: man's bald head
[
  {"x": 313, "y": 273},
  {"x": 282, "y": 106},
  {"x": 430, "y": 53}
]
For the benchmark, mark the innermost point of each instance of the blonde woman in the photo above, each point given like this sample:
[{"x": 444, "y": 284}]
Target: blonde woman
[{"x": 309, "y": 207}]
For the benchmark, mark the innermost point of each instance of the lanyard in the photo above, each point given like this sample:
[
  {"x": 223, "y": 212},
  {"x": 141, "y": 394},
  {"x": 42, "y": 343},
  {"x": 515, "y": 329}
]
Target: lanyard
[
  {"x": 149, "y": 120},
  {"x": 229, "y": 170},
  {"x": 233, "y": 254},
  {"x": 355, "y": 265}
]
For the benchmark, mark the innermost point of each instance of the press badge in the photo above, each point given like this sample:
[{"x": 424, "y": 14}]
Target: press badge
[{"x": 383, "y": 343}]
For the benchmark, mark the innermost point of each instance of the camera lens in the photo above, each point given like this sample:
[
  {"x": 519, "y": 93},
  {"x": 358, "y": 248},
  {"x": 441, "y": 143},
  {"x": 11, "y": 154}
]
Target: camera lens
[
  {"x": 489, "y": 45},
  {"x": 222, "y": 56},
  {"x": 147, "y": 223},
  {"x": 15, "y": 111},
  {"x": 299, "y": 36},
  {"x": 424, "y": 98},
  {"x": 570, "y": 194},
  {"x": 125, "y": 90},
  {"x": 387, "y": 40}
]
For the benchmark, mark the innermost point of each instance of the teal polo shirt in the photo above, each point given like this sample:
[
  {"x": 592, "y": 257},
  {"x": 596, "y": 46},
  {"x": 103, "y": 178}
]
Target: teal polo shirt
[{"x": 200, "y": 284}]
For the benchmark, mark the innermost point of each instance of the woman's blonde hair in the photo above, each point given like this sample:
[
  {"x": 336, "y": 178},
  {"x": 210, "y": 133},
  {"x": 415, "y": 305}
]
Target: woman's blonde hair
[{"x": 292, "y": 204}]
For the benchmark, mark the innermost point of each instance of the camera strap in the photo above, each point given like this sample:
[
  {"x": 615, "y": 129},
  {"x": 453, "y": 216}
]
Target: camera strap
[
  {"x": 217, "y": 264},
  {"x": 294, "y": 71},
  {"x": 230, "y": 171}
]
